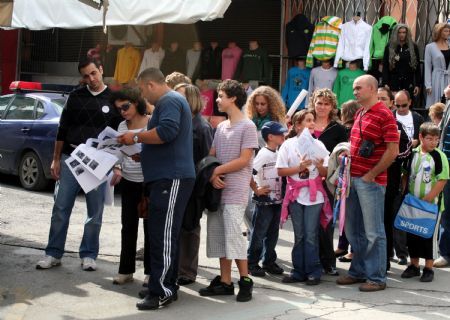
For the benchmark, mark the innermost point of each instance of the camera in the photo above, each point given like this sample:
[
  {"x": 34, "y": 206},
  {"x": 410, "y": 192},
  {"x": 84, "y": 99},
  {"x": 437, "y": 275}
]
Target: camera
[{"x": 366, "y": 149}]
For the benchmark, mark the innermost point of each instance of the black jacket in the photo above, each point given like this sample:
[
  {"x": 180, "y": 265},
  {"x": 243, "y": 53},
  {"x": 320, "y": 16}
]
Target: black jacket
[
  {"x": 299, "y": 33},
  {"x": 204, "y": 196},
  {"x": 333, "y": 134}
]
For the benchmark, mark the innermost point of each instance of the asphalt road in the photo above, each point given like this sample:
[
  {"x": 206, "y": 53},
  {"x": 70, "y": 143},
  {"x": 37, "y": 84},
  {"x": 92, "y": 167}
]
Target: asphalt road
[{"x": 67, "y": 292}]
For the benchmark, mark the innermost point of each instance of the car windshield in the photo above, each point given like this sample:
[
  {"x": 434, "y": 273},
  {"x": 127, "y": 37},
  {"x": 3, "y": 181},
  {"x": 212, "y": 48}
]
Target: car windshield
[{"x": 59, "y": 104}]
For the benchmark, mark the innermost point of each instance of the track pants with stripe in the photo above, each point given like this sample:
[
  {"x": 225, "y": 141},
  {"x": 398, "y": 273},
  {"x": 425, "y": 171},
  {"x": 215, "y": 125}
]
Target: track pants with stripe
[{"x": 168, "y": 200}]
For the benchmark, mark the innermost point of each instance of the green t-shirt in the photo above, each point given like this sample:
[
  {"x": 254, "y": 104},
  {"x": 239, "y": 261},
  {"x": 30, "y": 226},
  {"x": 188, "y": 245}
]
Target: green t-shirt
[
  {"x": 343, "y": 85},
  {"x": 426, "y": 171}
]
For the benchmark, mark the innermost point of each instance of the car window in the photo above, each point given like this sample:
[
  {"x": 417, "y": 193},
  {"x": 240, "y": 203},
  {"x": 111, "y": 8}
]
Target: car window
[
  {"x": 22, "y": 108},
  {"x": 59, "y": 104},
  {"x": 3, "y": 104},
  {"x": 39, "y": 110}
]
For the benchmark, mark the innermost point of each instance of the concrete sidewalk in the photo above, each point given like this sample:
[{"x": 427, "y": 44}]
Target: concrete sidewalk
[{"x": 67, "y": 292}]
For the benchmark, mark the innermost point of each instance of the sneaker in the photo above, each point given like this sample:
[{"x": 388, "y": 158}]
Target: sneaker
[
  {"x": 155, "y": 302},
  {"x": 273, "y": 268},
  {"x": 410, "y": 272},
  {"x": 88, "y": 264},
  {"x": 183, "y": 281},
  {"x": 256, "y": 271},
  {"x": 331, "y": 271},
  {"x": 312, "y": 281},
  {"x": 427, "y": 275},
  {"x": 123, "y": 278},
  {"x": 245, "y": 289},
  {"x": 402, "y": 261},
  {"x": 370, "y": 286},
  {"x": 217, "y": 288},
  {"x": 48, "y": 262},
  {"x": 440, "y": 262},
  {"x": 291, "y": 279},
  {"x": 347, "y": 280}
]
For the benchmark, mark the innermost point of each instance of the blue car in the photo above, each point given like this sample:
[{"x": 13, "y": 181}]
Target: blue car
[{"x": 28, "y": 126}]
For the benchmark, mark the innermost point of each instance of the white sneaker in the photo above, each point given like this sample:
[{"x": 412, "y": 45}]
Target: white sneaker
[
  {"x": 440, "y": 262},
  {"x": 123, "y": 278},
  {"x": 47, "y": 262},
  {"x": 88, "y": 264}
]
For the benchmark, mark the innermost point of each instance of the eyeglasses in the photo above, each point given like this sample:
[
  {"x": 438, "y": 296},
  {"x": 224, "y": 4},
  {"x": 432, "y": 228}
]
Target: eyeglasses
[
  {"x": 405, "y": 105},
  {"x": 124, "y": 107}
]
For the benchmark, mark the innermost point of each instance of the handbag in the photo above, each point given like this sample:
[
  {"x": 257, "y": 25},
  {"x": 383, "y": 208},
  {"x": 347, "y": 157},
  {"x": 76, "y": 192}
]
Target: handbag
[
  {"x": 417, "y": 216},
  {"x": 142, "y": 207}
]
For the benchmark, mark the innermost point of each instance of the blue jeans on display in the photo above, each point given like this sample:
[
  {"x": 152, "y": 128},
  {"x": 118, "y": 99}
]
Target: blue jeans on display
[
  {"x": 305, "y": 253},
  {"x": 264, "y": 238},
  {"x": 444, "y": 242},
  {"x": 66, "y": 191},
  {"x": 364, "y": 228}
]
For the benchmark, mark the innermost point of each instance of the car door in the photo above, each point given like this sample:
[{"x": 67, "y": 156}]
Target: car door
[
  {"x": 4, "y": 102},
  {"x": 14, "y": 130}
]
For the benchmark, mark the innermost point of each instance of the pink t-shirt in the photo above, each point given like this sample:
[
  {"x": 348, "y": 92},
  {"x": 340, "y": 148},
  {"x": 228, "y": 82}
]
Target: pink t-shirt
[
  {"x": 230, "y": 60},
  {"x": 208, "y": 98},
  {"x": 229, "y": 141}
]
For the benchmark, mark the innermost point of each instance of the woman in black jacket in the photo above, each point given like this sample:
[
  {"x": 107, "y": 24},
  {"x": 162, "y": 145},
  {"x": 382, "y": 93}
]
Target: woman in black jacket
[
  {"x": 323, "y": 105},
  {"x": 203, "y": 137}
]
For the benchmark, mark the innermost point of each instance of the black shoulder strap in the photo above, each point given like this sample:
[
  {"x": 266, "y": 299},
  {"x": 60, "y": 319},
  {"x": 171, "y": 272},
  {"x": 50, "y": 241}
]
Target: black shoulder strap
[{"x": 437, "y": 162}]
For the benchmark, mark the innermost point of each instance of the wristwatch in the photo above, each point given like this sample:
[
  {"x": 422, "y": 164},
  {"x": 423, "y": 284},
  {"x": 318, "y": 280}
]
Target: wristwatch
[{"x": 135, "y": 138}]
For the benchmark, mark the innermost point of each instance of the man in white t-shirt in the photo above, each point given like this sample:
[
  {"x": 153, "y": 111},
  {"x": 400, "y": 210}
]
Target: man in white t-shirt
[{"x": 410, "y": 120}]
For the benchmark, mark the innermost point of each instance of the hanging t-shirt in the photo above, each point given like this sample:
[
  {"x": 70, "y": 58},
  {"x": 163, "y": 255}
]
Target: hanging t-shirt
[
  {"x": 152, "y": 59},
  {"x": 230, "y": 60},
  {"x": 343, "y": 85},
  {"x": 192, "y": 60},
  {"x": 321, "y": 78},
  {"x": 297, "y": 79},
  {"x": 265, "y": 174},
  {"x": 254, "y": 65},
  {"x": 407, "y": 122}
]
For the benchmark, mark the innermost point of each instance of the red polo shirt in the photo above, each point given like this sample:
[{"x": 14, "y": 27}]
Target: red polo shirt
[{"x": 379, "y": 126}]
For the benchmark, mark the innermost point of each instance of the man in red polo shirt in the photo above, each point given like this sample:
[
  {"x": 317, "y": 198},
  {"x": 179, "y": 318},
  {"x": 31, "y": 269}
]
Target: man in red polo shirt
[{"x": 373, "y": 147}]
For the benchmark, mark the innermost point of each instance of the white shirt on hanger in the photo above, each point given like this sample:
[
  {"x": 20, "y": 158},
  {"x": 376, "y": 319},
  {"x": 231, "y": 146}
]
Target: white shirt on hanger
[
  {"x": 152, "y": 59},
  {"x": 354, "y": 43}
]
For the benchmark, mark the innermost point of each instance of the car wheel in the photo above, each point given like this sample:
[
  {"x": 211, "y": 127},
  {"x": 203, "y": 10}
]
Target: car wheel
[{"x": 31, "y": 173}]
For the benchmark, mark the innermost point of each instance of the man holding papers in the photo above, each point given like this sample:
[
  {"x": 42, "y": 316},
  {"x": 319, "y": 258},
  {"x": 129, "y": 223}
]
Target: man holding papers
[{"x": 87, "y": 112}]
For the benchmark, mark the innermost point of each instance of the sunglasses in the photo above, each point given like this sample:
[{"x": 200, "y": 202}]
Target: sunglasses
[
  {"x": 124, "y": 107},
  {"x": 402, "y": 105}
]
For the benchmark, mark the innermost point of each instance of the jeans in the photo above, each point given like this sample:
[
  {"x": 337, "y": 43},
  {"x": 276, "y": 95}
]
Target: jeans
[
  {"x": 66, "y": 191},
  {"x": 305, "y": 253},
  {"x": 264, "y": 238},
  {"x": 444, "y": 242},
  {"x": 364, "y": 228}
]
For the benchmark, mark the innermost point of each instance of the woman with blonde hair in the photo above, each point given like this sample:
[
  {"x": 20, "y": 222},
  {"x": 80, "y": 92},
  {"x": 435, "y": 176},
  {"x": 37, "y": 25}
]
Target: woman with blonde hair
[
  {"x": 437, "y": 64},
  {"x": 323, "y": 105},
  {"x": 264, "y": 105},
  {"x": 436, "y": 113}
]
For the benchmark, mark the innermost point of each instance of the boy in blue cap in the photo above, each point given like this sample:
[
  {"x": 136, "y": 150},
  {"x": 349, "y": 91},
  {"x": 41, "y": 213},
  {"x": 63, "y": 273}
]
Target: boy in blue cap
[{"x": 266, "y": 185}]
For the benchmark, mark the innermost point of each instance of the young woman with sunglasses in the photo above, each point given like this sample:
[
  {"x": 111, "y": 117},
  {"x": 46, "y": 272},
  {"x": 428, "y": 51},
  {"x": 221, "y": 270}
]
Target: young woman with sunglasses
[{"x": 133, "y": 109}]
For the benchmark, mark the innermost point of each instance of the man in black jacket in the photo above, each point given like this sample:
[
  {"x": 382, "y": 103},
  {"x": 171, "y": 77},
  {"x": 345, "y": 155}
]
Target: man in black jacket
[{"x": 411, "y": 120}]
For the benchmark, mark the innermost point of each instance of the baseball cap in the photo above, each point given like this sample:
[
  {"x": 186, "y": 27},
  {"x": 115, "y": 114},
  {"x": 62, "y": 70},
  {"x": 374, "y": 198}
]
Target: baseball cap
[{"x": 272, "y": 127}]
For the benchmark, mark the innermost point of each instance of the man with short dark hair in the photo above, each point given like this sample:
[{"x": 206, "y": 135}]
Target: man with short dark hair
[
  {"x": 86, "y": 113},
  {"x": 169, "y": 176},
  {"x": 373, "y": 147},
  {"x": 411, "y": 120}
]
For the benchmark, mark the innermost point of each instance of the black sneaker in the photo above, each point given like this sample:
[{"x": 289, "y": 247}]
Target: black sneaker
[
  {"x": 402, "y": 261},
  {"x": 273, "y": 268},
  {"x": 312, "y": 281},
  {"x": 331, "y": 271},
  {"x": 143, "y": 293},
  {"x": 411, "y": 271},
  {"x": 427, "y": 275},
  {"x": 245, "y": 289},
  {"x": 217, "y": 288},
  {"x": 256, "y": 271},
  {"x": 154, "y": 302},
  {"x": 291, "y": 279}
]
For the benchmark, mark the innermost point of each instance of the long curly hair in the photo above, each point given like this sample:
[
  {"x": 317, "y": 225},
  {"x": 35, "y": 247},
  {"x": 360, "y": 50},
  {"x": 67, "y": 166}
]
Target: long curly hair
[
  {"x": 277, "y": 109},
  {"x": 394, "y": 42},
  {"x": 330, "y": 96}
]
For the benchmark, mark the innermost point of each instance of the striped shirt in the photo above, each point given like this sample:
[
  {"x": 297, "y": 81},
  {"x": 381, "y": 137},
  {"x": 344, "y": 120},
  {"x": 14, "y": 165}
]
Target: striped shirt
[
  {"x": 229, "y": 141},
  {"x": 325, "y": 40},
  {"x": 379, "y": 126},
  {"x": 426, "y": 170},
  {"x": 131, "y": 170}
]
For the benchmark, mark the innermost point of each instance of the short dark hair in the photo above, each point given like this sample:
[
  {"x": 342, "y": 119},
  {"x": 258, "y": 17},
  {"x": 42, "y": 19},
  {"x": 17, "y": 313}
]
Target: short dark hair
[
  {"x": 233, "y": 88},
  {"x": 152, "y": 74},
  {"x": 429, "y": 129},
  {"x": 131, "y": 94},
  {"x": 388, "y": 92},
  {"x": 85, "y": 63}
]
